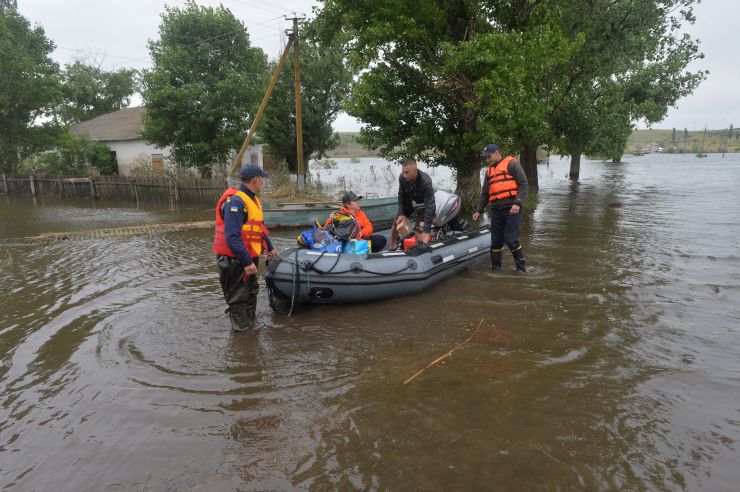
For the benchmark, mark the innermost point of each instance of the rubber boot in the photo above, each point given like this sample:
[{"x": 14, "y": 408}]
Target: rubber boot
[
  {"x": 518, "y": 255},
  {"x": 496, "y": 261}
]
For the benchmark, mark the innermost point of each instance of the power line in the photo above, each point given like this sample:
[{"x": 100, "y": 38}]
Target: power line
[
  {"x": 261, "y": 6},
  {"x": 103, "y": 54}
]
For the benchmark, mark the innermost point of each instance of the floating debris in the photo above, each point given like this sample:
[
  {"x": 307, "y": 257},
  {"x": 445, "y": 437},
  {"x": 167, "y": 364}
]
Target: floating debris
[{"x": 117, "y": 232}]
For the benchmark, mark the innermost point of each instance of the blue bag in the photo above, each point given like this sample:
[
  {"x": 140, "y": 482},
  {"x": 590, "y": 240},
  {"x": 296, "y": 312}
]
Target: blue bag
[
  {"x": 309, "y": 237},
  {"x": 356, "y": 247},
  {"x": 322, "y": 240}
]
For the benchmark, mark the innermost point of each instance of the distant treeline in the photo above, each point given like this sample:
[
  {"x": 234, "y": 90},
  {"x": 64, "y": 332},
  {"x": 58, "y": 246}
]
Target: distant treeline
[{"x": 686, "y": 141}]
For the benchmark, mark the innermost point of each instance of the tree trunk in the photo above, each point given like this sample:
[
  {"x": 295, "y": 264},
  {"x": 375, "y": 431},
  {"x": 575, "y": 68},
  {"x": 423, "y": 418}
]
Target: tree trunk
[
  {"x": 469, "y": 165},
  {"x": 468, "y": 181},
  {"x": 529, "y": 163},
  {"x": 575, "y": 165},
  {"x": 292, "y": 162},
  {"x": 9, "y": 159}
]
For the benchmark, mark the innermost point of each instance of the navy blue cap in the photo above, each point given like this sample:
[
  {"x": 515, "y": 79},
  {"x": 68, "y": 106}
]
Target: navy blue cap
[
  {"x": 490, "y": 149},
  {"x": 250, "y": 171}
]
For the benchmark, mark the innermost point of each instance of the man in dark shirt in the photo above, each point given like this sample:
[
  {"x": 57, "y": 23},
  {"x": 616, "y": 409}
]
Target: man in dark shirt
[
  {"x": 505, "y": 187},
  {"x": 415, "y": 195},
  {"x": 238, "y": 244}
]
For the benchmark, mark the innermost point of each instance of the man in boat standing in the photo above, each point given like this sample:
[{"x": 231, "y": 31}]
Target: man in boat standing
[
  {"x": 505, "y": 188},
  {"x": 415, "y": 195},
  {"x": 240, "y": 238}
]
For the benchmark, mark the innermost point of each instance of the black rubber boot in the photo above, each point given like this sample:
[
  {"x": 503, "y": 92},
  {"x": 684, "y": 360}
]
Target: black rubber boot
[
  {"x": 496, "y": 261},
  {"x": 518, "y": 255}
]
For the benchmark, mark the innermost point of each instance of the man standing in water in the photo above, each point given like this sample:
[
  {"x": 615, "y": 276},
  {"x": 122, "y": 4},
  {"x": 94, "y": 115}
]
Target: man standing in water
[
  {"x": 415, "y": 194},
  {"x": 505, "y": 188},
  {"x": 240, "y": 236}
]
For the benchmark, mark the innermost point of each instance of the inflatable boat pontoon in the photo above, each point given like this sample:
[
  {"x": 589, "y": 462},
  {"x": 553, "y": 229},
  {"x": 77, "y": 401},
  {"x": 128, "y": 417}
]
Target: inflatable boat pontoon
[{"x": 304, "y": 276}]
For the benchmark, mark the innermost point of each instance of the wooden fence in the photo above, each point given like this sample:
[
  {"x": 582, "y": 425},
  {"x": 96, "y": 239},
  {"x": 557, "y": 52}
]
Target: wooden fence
[{"x": 150, "y": 189}]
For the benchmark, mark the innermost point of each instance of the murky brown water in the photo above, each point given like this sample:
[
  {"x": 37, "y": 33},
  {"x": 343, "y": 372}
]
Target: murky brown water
[{"x": 613, "y": 365}]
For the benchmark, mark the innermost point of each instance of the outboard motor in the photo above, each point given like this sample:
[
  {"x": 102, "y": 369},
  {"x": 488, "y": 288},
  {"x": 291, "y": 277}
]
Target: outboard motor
[{"x": 448, "y": 207}]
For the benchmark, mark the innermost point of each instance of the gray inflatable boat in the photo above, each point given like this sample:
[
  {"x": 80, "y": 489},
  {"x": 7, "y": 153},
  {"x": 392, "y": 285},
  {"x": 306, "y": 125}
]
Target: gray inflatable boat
[{"x": 305, "y": 276}]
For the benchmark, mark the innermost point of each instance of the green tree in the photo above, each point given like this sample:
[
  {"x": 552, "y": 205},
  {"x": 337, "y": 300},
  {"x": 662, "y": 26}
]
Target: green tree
[
  {"x": 685, "y": 134},
  {"x": 29, "y": 89},
  {"x": 673, "y": 135},
  {"x": 205, "y": 82},
  {"x": 439, "y": 79},
  {"x": 89, "y": 91},
  {"x": 324, "y": 84},
  {"x": 631, "y": 67},
  {"x": 729, "y": 133},
  {"x": 73, "y": 155}
]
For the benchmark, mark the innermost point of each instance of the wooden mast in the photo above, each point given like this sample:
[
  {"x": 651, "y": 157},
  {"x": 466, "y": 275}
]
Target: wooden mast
[
  {"x": 237, "y": 160},
  {"x": 300, "y": 168}
]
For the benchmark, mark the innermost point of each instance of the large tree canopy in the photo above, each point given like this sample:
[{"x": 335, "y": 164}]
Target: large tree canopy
[
  {"x": 29, "y": 88},
  {"x": 205, "y": 82},
  {"x": 437, "y": 79},
  {"x": 631, "y": 66},
  {"x": 89, "y": 91},
  {"x": 324, "y": 84}
]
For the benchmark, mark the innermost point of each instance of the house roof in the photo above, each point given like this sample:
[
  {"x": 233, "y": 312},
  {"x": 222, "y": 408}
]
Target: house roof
[{"x": 124, "y": 124}]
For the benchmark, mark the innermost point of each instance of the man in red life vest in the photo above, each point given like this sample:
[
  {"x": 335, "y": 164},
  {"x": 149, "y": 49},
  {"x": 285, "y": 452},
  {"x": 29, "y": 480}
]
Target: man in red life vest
[
  {"x": 505, "y": 187},
  {"x": 240, "y": 238}
]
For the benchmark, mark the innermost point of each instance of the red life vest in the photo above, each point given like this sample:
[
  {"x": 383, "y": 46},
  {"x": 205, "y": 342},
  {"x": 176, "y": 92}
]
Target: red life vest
[
  {"x": 253, "y": 230},
  {"x": 501, "y": 184}
]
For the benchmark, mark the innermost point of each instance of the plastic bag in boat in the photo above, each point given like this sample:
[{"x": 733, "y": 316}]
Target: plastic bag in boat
[
  {"x": 342, "y": 226},
  {"x": 323, "y": 240},
  {"x": 309, "y": 237},
  {"x": 356, "y": 247},
  {"x": 333, "y": 246}
]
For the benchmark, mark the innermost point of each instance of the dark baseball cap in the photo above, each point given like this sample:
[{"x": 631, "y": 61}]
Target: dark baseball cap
[
  {"x": 350, "y": 197},
  {"x": 250, "y": 171},
  {"x": 490, "y": 149}
]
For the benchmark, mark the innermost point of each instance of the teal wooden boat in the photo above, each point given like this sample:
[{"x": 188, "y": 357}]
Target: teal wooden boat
[{"x": 380, "y": 211}]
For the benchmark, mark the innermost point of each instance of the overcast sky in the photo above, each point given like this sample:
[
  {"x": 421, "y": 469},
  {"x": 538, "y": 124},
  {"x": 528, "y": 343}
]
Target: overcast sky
[{"x": 117, "y": 31}]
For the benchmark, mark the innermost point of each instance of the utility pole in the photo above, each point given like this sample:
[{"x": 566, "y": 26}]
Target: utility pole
[
  {"x": 238, "y": 159},
  {"x": 300, "y": 168}
]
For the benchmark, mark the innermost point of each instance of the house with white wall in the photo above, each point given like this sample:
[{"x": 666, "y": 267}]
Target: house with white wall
[{"x": 121, "y": 132}]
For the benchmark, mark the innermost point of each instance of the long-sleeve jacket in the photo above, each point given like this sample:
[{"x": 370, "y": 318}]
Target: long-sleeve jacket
[
  {"x": 234, "y": 218},
  {"x": 517, "y": 171},
  {"x": 420, "y": 191}
]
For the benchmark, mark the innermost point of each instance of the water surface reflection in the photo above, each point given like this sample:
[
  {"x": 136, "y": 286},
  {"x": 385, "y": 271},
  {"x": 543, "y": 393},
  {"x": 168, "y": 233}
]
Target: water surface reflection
[{"x": 613, "y": 365}]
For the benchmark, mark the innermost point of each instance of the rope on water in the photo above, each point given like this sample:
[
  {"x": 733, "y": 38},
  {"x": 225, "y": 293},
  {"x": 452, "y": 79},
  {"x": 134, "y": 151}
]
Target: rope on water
[{"x": 443, "y": 357}]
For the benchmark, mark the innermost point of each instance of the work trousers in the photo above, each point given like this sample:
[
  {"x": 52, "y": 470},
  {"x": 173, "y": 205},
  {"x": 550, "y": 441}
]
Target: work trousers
[
  {"x": 240, "y": 293},
  {"x": 505, "y": 228}
]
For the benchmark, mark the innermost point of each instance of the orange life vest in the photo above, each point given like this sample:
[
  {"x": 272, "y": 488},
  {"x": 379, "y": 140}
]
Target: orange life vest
[
  {"x": 501, "y": 184},
  {"x": 253, "y": 230}
]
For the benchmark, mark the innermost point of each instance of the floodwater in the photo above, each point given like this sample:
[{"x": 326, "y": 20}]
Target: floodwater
[{"x": 613, "y": 365}]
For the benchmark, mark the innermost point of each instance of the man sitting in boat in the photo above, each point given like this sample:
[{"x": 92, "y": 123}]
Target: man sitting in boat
[
  {"x": 364, "y": 230},
  {"x": 415, "y": 197}
]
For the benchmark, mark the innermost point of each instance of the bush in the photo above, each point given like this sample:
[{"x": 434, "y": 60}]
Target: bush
[
  {"x": 143, "y": 168},
  {"x": 74, "y": 155}
]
